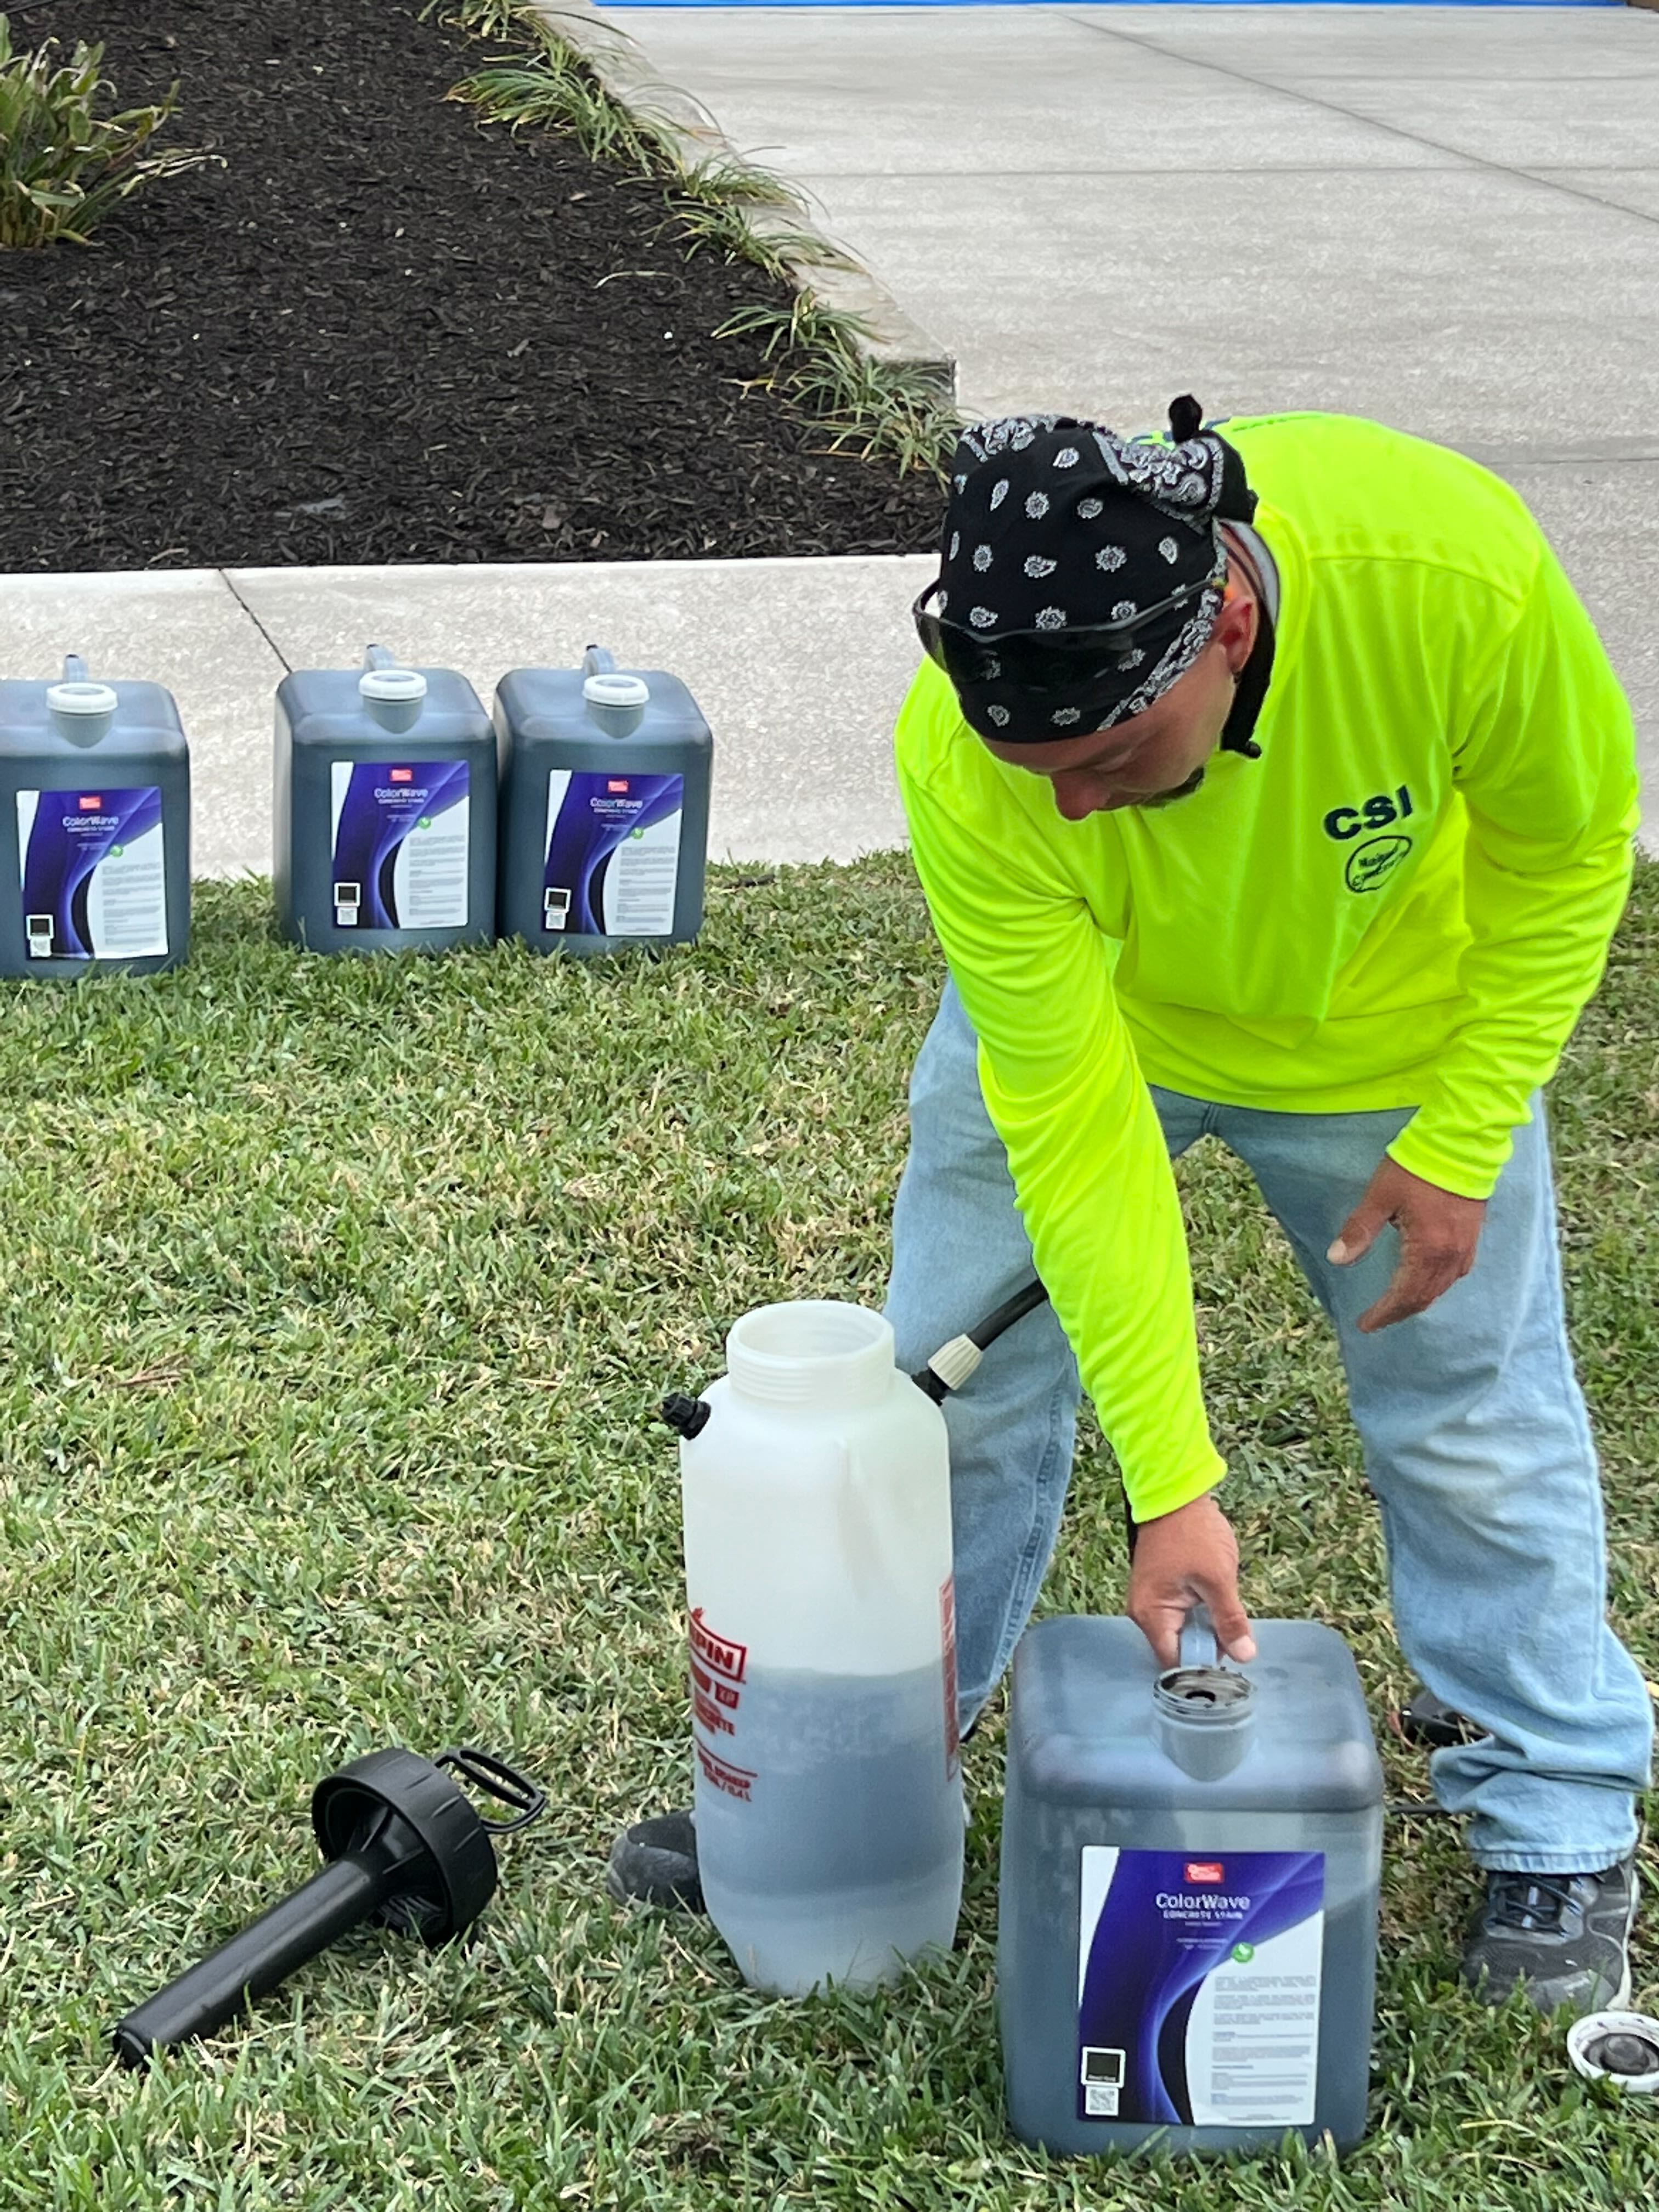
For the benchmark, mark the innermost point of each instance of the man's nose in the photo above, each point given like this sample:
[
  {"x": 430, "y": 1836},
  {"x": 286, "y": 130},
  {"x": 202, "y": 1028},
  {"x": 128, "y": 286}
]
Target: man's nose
[{"x": 1079, "y": 796}]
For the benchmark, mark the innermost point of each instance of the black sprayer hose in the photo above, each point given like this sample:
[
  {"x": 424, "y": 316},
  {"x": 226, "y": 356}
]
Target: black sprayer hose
[
  {"x": 953, "y": 1363},
  {"x": 986, "y": 1333}
]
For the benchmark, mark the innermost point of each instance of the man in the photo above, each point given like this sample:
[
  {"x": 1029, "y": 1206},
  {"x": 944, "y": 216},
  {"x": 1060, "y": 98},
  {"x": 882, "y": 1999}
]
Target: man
[{"x": 1277, "y": 788}]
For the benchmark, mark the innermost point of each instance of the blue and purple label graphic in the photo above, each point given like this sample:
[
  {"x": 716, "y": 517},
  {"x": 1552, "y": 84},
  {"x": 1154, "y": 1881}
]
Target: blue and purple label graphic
[
  {"x": 1198, "y": 1987},
  {"x": 613, "y": 854},
  {"x": 94, "y": 872},
  {"x": 401, "y": 851}
]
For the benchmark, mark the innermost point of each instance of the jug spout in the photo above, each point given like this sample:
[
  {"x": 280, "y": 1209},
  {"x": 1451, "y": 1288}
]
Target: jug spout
[
  {"x": 393, "y": 695},
  {"x": 81, "y": 711},
  {"x": 813, "y": 1352},
  {"x": 1203, "y": 1713},
  {"x": 617, "y": 702}
]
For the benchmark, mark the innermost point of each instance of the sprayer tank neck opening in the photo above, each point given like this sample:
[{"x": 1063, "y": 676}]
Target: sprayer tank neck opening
[{"x": 814, "y": 1352}]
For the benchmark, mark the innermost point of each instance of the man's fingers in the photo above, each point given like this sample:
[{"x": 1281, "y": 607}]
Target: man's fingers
[
  {"x": 1183, "y": 1559},
  {"x": 1161, "y": 1621},
  {"x": 1418, "y": 1280},
  {"x": 1233, "y": 1627},
  {"x": 1358, "y": 1233},
  {"x": 1160, "y": 1624}
]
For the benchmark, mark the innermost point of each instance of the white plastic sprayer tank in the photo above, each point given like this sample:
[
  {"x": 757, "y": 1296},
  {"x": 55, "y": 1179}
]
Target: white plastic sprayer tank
[
  {"x": 818, "y": 1560},
  {"x": 94, "y": 789}
]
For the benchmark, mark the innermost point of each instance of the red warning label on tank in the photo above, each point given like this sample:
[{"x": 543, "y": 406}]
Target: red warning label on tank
[
  {"x": 947, "y": 1621},
  {"x": 735, "y": 1781},
  {"x": 718, "y": 1666},
  {"x": 718, "y": 1652}
]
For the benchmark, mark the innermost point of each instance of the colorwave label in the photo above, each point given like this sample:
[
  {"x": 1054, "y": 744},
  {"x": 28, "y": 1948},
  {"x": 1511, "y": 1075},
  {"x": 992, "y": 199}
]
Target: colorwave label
[
  {"x": 401, "y": 844},
  {"x": 1198, "y": 1987},
  {"x": 612, "y": 854},
  {"x": 93, "y": 867}
]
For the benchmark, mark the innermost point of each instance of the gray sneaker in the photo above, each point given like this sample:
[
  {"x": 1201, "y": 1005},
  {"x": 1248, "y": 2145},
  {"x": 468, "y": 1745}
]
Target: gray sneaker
[
  {"x": 655, "y": 1862},
  {"x": 1563, "y": 1939}
]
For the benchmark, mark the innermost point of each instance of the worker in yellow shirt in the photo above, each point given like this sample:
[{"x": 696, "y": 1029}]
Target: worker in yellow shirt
[{"x": 1274, "y": 786}]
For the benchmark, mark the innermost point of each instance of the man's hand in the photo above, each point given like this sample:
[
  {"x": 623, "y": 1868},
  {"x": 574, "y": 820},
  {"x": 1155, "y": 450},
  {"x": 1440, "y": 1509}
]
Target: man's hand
[
  {"x": 1184, "y": 1558},
  {"x": 1439, "y": 1234}
]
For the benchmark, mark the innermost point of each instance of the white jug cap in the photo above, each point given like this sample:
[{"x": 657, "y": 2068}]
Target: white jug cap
[
  {"x": 613, "y": 691},
  {"x": 82, "y": 698},
  {"x": 1620, "y": 2047},
  {"x": 397, "y": 687}
]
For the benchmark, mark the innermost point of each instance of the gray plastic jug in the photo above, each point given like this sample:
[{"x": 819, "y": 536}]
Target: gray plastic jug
[
  {"x": 95, "y": 805},
  {"x": 384, "y": 824},
  {"x": 1190, "y": 1865},
  {"x": 604, "y": 807}
]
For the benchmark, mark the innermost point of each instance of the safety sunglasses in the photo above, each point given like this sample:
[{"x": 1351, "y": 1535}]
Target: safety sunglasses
[{"x": 1052, "y": 662}]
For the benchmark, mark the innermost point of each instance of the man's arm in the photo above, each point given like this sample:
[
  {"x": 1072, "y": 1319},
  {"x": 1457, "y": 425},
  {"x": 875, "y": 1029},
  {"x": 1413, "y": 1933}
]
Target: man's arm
[
  {"x": 1088, "y": 1158},
  {"x": 1547, "y": 767}
]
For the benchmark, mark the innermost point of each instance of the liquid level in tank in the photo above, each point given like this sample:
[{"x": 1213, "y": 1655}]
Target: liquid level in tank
[{"x": 830, "y": 1826}]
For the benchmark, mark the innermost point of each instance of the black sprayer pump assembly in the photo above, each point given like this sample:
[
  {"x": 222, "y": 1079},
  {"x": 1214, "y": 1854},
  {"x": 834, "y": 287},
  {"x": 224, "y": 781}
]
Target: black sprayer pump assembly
[{"x": 402, "y": 1846}]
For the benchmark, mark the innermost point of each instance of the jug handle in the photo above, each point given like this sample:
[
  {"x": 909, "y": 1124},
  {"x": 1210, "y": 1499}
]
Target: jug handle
[
  {"x": 860, "y": 1513},
  {"x": 74, "y": 669},
  {"x": 380, "y": 656},
  {"x": 1199, "y": 1645},
  {"x": 597, "y": 661}
]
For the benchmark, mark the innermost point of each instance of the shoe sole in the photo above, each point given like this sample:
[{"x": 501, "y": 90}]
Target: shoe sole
[{"x": 1621, "y": 1998}]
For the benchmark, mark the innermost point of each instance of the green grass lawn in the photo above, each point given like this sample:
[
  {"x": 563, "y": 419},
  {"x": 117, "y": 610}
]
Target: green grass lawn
[{"x": 336, "y": 1300}]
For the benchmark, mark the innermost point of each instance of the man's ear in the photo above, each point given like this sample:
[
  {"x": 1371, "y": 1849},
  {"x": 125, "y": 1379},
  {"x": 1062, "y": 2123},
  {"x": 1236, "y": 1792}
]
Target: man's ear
[{"x": 1234, "y": 630}]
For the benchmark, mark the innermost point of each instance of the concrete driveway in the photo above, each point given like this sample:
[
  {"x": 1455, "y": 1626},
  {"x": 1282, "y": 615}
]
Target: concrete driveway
[{"x": 1446, "y": 218}]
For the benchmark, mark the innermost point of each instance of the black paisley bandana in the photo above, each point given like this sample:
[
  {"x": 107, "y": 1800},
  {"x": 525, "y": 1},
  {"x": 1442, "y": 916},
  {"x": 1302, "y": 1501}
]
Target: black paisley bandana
[{"x": 1081, "y": 572}]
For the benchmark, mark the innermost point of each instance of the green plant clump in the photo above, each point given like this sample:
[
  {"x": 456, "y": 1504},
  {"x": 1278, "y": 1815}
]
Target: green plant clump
[
  {"x": 819, "y": 355},
  {"x": 63, "y": 166}
]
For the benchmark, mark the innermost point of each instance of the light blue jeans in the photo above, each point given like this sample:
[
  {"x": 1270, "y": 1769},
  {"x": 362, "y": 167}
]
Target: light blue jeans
[{"x": 1475, "y": 1436}]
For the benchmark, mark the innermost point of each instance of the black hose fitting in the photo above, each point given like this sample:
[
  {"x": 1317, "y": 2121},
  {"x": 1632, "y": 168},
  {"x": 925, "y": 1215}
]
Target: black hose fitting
[{"x": 690, "y": 1416}]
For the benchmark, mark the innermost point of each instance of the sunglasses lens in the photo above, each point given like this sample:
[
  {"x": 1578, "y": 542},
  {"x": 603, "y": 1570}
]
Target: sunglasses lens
[
  {"x": 1050, "y": 664},
  {"x": 1051, "y": 667}
]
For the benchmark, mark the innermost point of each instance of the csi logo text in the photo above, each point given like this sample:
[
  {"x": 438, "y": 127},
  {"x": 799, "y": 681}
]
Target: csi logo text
[
  {"x": 91, "y": 805},
  {"x": 402, "y": 775},
  {"x": 617, "y": 783},
  {"x": 1201, "y": 1870},
  {"x": 1373, "y": 813}
]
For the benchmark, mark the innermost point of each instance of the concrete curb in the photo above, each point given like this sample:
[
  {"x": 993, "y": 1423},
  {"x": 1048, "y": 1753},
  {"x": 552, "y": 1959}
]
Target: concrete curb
[{"x": 624, "y": 68}]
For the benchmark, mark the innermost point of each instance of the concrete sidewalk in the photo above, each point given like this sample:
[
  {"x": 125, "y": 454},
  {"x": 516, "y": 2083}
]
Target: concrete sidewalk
[{"x": 1448, "y": 219}]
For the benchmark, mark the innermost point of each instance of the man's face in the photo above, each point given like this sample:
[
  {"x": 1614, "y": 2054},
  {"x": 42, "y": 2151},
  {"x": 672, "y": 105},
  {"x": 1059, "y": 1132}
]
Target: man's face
[{"x": 1155, "y": 758}]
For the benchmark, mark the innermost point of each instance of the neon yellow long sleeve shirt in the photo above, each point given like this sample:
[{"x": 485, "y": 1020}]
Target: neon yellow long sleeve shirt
[{"x": 1404, "y": 902}]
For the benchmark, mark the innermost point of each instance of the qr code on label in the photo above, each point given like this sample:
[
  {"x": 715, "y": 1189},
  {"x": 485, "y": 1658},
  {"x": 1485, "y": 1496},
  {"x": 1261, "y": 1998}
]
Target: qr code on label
[{"x": 1102, "y": 2081}]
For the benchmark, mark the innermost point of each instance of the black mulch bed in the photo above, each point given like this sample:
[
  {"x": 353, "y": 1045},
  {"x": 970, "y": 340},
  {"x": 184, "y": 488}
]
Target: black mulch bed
[{"x": 381, "y": 332}]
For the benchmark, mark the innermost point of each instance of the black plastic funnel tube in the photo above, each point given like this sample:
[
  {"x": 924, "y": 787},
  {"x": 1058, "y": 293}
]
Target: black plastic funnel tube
[
  {"x": 269, "y": 1949},
  {"x": 403, "y": 1845}
]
